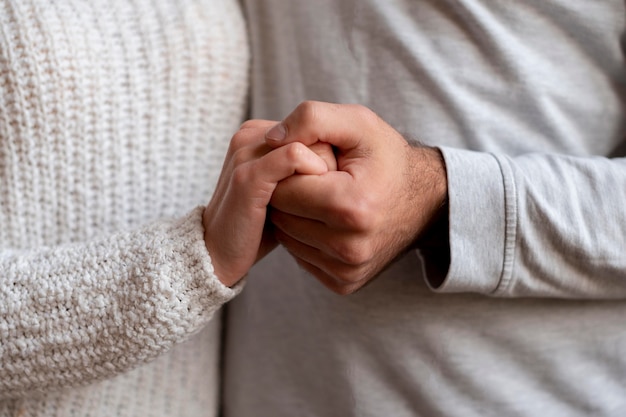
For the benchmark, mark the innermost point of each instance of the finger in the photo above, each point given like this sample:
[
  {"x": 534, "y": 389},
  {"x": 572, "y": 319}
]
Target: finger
[
  {"x": 249, "y": 136},
  {"x": 248, "y": 144},
  {"x": 339, "y": 125},
  {"x": 341, "y": 273},
  {"x": 257, "y": 124},
  {"x": 346, "y": 246},
  {"x": 307, "y": 231},
  {"x": 331, "y": 198},
  {"x": 294, "y": 158},
  {"x": 325, "y": 151},
  {"x": 252, "y": 129},
  {"x": 329, "y": 282},
  {"x": 257, "y": 179}
]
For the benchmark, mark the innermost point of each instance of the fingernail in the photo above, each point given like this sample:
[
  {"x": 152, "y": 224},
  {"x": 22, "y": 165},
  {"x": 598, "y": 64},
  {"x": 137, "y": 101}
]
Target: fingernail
[{"x": 276, "y": 133}]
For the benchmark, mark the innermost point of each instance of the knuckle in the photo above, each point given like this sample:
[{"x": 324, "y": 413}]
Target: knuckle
[
  {"x": 249, "y": 124},
  {"x": 294, "y": 151},
  {"x": 358, "y": 215},
  {"x": 241, "y": 176},
  {"x": 351, "y": 285},
  {"x": 239, "y": 157},
  {"x": 239, "y": 140},
  {"x": 307, "y": 111},
  {"x": 352, "y": 253},
  {"x": 335, "y": 284},
  {"x": 343, "y": 289}
]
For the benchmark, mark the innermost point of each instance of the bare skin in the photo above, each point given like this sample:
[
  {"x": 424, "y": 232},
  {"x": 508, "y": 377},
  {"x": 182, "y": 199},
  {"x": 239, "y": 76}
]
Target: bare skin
[
  {"x": 235, "y": 219},
  {"x": 345, "y": 226}
]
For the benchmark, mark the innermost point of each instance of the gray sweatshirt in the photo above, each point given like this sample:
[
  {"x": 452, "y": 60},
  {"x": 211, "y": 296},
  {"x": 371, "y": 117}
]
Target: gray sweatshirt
[{"x": 526, "y": 101}]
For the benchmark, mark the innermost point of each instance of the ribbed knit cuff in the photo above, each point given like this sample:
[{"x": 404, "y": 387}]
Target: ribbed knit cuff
[{"x": 193, "y": 261}]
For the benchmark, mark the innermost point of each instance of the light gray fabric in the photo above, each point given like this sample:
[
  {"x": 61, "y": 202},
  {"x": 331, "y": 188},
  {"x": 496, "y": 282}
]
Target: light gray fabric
[{"x": 525, "y": 99}]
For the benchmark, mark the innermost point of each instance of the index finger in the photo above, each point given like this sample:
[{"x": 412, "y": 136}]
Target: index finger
[
  {"x": 325, "y": 198},
  {"x": 340, "y": 125}
]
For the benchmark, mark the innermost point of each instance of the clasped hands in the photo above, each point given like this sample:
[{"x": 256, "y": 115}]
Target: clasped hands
[{"x": 334, "y": 184}]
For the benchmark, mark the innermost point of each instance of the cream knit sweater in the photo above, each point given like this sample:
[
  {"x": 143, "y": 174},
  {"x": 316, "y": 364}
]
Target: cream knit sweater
[{"x": 115, "y": 116}]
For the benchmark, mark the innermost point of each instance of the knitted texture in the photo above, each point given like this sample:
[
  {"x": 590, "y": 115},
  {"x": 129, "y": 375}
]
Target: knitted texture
[{"x": 115, "y": 118}]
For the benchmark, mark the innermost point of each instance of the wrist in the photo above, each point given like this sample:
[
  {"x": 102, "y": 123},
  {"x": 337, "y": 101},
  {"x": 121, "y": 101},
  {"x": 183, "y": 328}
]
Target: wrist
[
  {"x": 433, "y": 241},
  {"x": 429, "y": 183},
  {"x": 220, "y": 272}
]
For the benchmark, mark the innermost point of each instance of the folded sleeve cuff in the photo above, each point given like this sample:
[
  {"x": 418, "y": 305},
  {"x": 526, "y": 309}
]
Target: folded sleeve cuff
[{"x": 481, "y": 223}]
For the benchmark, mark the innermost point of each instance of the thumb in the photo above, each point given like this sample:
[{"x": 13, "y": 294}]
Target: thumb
[{"x": 340, "y": 125}]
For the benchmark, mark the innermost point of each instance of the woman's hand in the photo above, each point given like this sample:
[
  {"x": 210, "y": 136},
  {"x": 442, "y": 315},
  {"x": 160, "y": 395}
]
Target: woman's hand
[{"x": 235, "y": 219}]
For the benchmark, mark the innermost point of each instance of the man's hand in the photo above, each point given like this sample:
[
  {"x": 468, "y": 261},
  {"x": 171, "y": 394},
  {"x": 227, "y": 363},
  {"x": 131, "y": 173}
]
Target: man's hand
[
  {"x": 345, "y": 226},
  {"x": 234, "y": 220}
]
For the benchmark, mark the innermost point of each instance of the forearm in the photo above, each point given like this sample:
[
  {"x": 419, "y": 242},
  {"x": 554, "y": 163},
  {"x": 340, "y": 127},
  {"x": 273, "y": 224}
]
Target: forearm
[{"x": 74, "y": 314}]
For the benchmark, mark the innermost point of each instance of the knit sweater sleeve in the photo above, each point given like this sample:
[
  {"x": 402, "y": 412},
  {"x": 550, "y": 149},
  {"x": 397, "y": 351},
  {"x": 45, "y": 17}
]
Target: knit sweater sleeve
[
  {"x": 77, "y": 313},
  {"x": 535, "y": 225}
]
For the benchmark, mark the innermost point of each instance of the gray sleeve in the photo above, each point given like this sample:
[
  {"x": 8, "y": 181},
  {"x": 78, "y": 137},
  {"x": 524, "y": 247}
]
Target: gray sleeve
[
  {"x": 73, "y": 314},
  {"x": 536, "y": 225}
]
